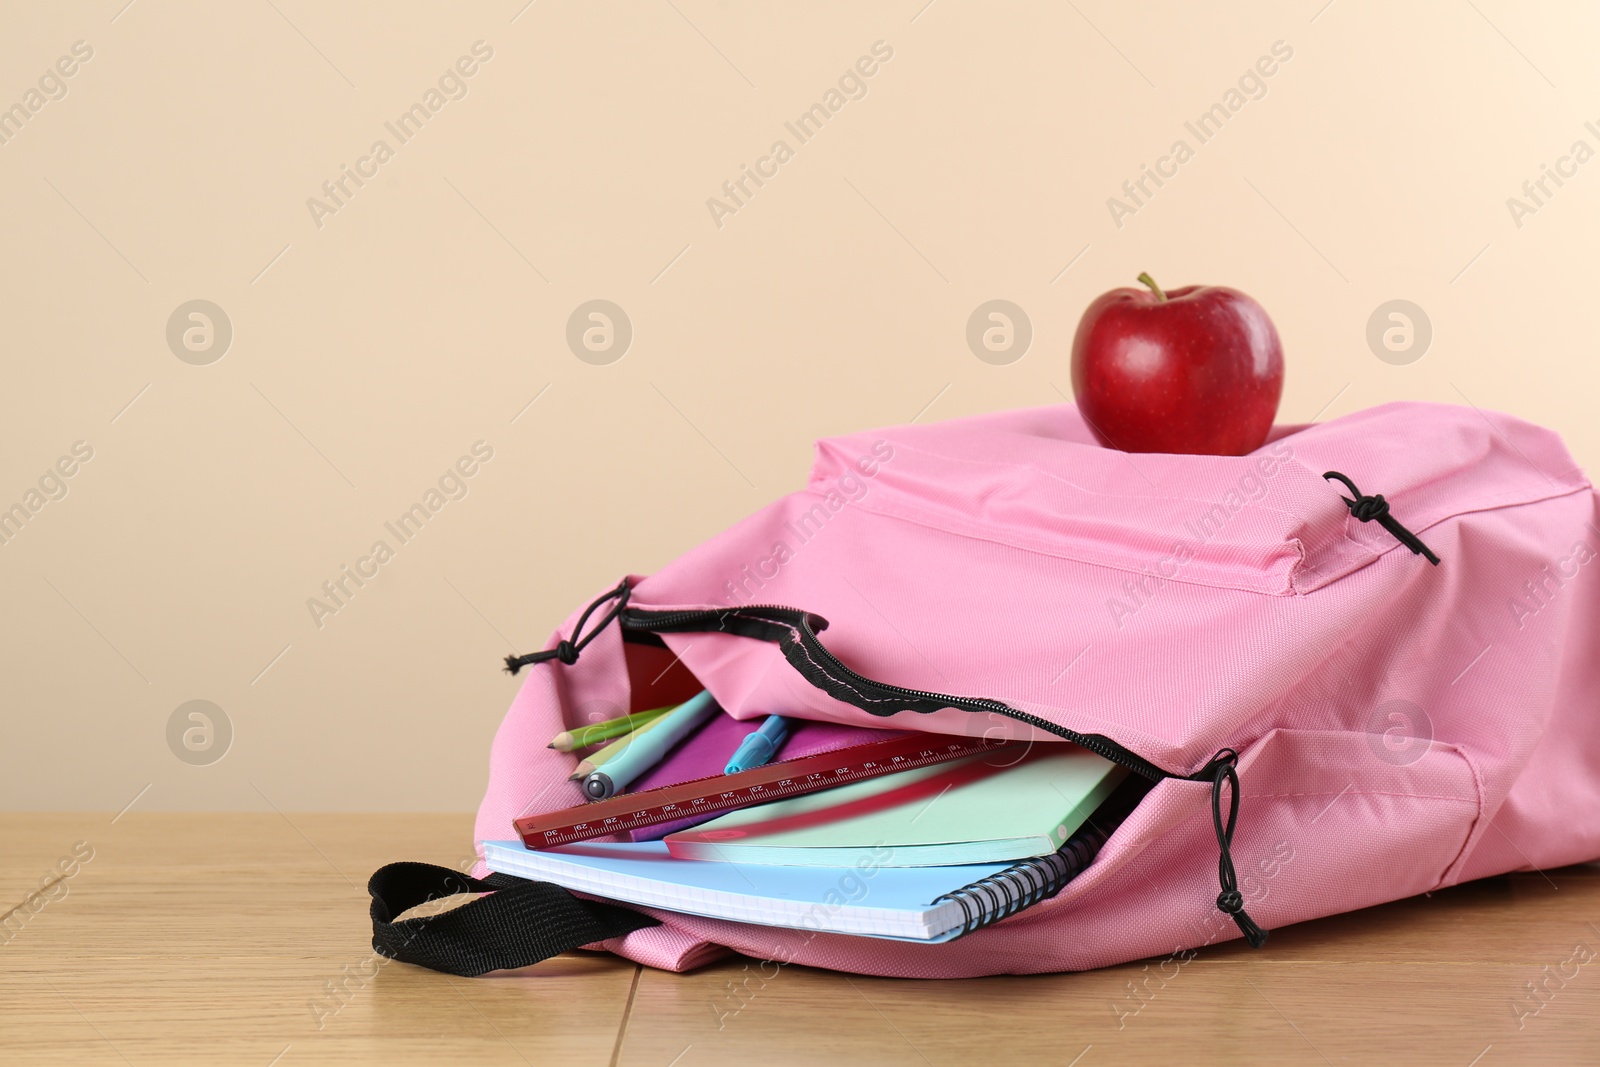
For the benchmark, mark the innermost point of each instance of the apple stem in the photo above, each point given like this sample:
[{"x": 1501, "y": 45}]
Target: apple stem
[{"x": 1154, "y": 288}]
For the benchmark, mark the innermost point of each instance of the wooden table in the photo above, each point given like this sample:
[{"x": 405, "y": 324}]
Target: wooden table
[{"x": 215, "y": 938}]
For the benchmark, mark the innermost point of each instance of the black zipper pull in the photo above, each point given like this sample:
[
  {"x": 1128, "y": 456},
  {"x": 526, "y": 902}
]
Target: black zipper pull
[
  {"x": 1367, "y": 508},
  {"x": 1230, "y": 900},
  {"x": 567, "y": 650}
]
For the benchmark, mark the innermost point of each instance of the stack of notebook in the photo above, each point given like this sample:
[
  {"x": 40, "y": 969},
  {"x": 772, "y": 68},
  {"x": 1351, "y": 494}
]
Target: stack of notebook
[{"x": 925, "y": 854}]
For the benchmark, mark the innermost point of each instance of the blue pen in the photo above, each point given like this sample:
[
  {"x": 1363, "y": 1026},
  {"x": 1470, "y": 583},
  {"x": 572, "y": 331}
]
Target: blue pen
[{"x": 757, "y": 749}]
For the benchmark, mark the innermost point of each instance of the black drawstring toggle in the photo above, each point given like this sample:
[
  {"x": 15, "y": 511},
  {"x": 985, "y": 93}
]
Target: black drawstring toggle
[
  {"x": 567, "y": 650},
  {"x": 1368, "y": 508},
  {"x": 1230, "y": 900}
]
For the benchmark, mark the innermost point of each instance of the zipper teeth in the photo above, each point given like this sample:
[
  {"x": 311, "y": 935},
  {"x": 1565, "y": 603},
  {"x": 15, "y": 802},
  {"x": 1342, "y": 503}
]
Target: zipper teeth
[
  {"x": 1114, "y": 753},
  {"x": 643, "y": 619}
]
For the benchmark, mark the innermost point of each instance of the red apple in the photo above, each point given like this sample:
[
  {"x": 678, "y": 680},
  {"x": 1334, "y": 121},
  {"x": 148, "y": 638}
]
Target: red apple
[{"x": 1196, "y": 370}]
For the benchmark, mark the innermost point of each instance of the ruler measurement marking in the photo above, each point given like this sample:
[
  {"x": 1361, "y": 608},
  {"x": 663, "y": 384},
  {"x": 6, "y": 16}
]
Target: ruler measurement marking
[{"x": 676, "y": 801}]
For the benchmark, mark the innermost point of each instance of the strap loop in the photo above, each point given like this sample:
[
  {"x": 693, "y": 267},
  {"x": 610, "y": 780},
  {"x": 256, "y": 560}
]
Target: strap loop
[
  {"x": 567, "y": 650},
  {"x": 1230, "y": 900},
  {"x": 1368, "y": 508},
  {"x": 519, "y": 923}
]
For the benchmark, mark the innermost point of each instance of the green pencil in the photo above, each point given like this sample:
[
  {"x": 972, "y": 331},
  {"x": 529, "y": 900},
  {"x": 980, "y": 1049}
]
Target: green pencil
[
  {"x": 600, "y": 756},
  {"x": 594, "y": 733}
]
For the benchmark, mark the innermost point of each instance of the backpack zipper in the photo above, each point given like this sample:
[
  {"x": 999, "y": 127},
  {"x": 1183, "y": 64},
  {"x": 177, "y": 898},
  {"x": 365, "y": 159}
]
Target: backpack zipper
[
  {"x": 795, "y": 633},
  {"x": 643, "y": 619}
]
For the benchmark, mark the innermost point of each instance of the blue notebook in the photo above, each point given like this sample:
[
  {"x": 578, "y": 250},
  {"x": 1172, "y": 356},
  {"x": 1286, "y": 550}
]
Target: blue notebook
[{"x": 902, "y": 903}]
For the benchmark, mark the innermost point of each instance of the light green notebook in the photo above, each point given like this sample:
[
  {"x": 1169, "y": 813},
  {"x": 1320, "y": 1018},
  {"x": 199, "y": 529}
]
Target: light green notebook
[{"x": 992, "y": 808}]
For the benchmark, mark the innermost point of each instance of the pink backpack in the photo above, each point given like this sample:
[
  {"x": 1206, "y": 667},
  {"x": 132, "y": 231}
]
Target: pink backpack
[{"x": 1329, "y": 719}]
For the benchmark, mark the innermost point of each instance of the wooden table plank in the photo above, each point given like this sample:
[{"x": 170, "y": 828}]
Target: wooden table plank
[
  {"x": 228, "y": 938},
  {"x": 1266, "y": 1013},
  {"x": 1422, "y": 981},
  {"x": 212, "y": 939}
]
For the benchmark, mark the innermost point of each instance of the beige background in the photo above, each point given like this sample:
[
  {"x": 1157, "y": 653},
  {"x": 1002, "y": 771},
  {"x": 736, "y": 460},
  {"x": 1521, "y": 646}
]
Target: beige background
[{"x": 369, "y": 353}]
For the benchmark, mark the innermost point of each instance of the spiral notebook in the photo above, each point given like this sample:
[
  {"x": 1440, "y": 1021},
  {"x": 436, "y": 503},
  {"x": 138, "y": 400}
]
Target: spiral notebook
[{"x": 926, "y": 904}]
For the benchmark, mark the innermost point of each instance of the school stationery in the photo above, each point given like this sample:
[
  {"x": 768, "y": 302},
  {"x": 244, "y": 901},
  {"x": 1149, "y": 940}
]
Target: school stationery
[
  {"x": 989, "y": 808},
  {"x": 705, "y": 753},
  {"x": 895, "y": 902},
  {"x": 759, "y": 747},
  {"x": 596, "y": 732},
  {"x": 775, "y": 781},
  {"x": 601, "y": 756},
  {"x": 870, "y": 897},
  {"x": 648, "y": 748}
]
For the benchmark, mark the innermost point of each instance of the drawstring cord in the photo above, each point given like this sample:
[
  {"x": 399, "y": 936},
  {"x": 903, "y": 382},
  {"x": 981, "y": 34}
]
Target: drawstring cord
[
  {"x": 1230, "y": 900},
  {"x": 567, "y": 651},
  {"x": 1367, "y": 508}
]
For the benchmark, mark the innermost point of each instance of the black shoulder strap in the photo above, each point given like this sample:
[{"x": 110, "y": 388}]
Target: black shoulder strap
[{"x": 520, "y": 922}]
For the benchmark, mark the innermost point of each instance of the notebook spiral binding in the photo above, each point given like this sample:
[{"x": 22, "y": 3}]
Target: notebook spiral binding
[{"x": 1027, "y": 882}]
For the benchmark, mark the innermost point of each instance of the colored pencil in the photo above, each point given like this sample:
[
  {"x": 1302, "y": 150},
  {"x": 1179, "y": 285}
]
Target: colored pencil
[
  {"x": 600, "y": 756},
  {"x": 596, "y": 732}
]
